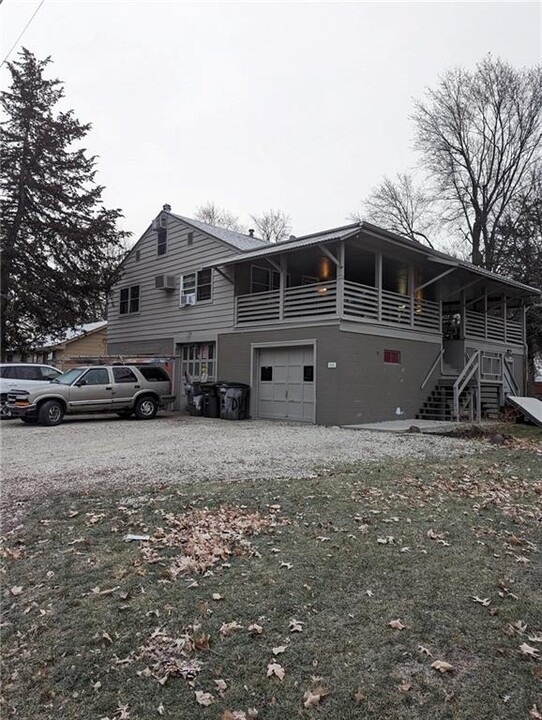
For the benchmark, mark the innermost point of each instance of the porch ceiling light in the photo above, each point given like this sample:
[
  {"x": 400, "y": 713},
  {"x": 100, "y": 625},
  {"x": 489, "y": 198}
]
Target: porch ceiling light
[
  {"x": 324, "y": 268},
  {"x": 322, "y": 290}
]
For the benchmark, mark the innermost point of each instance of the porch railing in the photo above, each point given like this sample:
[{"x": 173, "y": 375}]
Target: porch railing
[
  {"x": 259, "y": 307},
  {"x": 363, "y": 302},
  {"x": 307, "y": 300},
  {"x": 486, "y": 327}
]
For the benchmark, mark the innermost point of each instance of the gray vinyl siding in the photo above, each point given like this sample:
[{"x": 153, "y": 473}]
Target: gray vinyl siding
[
  {"x": 160, "y": 315},
  {"x": 361, "y": 388}
]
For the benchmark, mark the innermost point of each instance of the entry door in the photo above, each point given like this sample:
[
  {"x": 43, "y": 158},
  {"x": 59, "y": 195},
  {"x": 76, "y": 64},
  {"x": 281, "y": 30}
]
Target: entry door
[{"x": 286, "y": 383}]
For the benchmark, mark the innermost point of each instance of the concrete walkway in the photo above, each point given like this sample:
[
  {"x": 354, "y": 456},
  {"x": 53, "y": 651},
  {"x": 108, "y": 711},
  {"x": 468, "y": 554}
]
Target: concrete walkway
[{"x": 426, "y": 426}]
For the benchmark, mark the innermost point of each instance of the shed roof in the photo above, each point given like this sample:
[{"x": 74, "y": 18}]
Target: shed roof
[
  {"x": 346, "y": 231},
  {"x": 72, "y": 334}
]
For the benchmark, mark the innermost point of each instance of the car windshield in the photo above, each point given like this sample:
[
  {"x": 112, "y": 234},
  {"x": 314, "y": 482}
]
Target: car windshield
[{"x": 69, "y": 377}]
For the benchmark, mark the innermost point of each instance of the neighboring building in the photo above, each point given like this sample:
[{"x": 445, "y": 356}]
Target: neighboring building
[
  {"x": 84, "y": 344},
  {"x": 354, "y": 324}
]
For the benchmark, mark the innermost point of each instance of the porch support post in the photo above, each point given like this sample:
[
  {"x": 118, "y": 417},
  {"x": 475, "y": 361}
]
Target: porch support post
[
  {"x": 485, "y": 313},
  {"x": 463, "y": 333},
  {"x": 378, "y": 282},
  {"x": 339, "y": 303},
  {"x": 411, "y": 293},
  {"x": 505, "y": 317},
  {"x": 282, "y": 285}
]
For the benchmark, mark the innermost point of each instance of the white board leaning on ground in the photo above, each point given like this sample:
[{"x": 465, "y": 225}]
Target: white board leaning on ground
[{"x": 529, "y": 406}]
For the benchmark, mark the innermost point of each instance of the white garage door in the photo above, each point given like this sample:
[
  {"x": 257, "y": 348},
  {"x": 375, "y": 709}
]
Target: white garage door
[{"x": 286, "y": 383}]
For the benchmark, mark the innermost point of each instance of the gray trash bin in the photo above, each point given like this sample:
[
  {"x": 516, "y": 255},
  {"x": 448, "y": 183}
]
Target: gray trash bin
[{"x": 234, "y": 400}]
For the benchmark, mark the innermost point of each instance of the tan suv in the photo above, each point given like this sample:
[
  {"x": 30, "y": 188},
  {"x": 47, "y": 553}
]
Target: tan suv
[{"x": 138, "y": 390}]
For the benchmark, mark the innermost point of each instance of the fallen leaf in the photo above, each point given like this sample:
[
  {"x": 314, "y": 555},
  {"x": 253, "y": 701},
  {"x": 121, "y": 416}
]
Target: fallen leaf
[
  {"x": 16, "y": 589},
  {"x": 483, "y": 601},
  {"x": 536, "y": 638},
  {"x": 221, "y": 685},
  {"x": 404, "y": 687},
  {"x": 528, "y": 650},
  {"x": 287, "y": 565},
  {"x": 534, "y": 712},
  {"x": 227, "y": 628},
  {"x": 255, "y": 629},
  {"x": 312, "y": 697},
  {"x": 275, "y": 669},
  {"x": 397, "y": 624},
  {"x": 442, "y": 666},
  {"x": 217, "y": 596},
  {"x": 123, "y": 712},
  {"x": 296, "y": 625},
  {"x": 369, "y": 593},
  {"x": 360, "y": 695},
  {"x": 204, "y": 698},
  {"x": 425, "y": 651},
  {"x": 278, "y": 650},
  {"x": 160, "y": 709}
]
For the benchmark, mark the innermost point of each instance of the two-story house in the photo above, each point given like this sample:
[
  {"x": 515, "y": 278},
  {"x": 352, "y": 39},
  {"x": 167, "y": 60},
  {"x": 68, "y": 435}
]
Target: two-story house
[{"x": 349, "y": 325}]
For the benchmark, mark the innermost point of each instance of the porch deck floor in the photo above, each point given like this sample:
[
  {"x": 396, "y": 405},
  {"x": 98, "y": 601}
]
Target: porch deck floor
[{"x": 426, "y": 426}]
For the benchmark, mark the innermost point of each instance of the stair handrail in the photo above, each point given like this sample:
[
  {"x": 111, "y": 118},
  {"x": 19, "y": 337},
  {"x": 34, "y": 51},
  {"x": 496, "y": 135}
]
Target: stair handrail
[
  {"x": 510, "y": 379},
  {"x": 432, "y": 369},
  {"x": 464, "y": 378}
]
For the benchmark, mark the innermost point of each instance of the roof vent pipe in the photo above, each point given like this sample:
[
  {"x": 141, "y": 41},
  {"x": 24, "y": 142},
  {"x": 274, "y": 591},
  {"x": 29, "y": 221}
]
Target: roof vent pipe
[{"x": 251, "y": 232}]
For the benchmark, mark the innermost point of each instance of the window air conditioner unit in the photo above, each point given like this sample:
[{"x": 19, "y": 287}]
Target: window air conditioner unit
[
  {"x": 164, "y": 282},
  {"x": 188, "y": 300}
]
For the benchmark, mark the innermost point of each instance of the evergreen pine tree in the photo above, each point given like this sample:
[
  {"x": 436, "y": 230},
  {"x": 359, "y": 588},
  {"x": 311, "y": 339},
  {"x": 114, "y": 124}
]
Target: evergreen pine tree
[{"x": 60, "y": 245}]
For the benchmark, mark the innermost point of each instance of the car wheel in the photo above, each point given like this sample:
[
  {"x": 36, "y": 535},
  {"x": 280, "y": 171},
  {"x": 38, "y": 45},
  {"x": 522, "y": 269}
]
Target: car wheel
[
  {"x": 4, "y": 412},
  {"x": 30, "y": 420},
  {"x": 146, "y": 407},
  {"x": 51, "y": 413}
]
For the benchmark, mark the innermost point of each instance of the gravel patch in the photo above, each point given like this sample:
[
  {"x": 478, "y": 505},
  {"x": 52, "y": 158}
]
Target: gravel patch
[{"x": 85, "y": 453}]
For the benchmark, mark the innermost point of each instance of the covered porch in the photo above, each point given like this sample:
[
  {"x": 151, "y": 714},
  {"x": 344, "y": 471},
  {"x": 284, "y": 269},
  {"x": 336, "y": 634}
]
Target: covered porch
[{"x": 359, "y": 279}]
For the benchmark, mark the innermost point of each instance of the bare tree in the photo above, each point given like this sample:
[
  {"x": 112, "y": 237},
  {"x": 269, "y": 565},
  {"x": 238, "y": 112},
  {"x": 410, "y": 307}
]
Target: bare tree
[
  {"x": 211, "y": 214},
  {"x": 400, "y": 207},
  {"x": 521, "y": 233},
  {"x": 479, "y": 134},
  {"x": 273, "y": 225}
]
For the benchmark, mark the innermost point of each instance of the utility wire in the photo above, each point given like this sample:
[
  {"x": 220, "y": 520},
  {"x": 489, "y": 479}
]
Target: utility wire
[{"x": 23, "y": 31}]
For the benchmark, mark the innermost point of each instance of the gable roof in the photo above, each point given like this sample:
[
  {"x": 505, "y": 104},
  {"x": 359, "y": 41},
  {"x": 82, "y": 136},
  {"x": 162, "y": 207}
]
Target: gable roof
[
  {"x": 346, "y": 231},
  {"x": 237, "y": 240},
  {"x": 73, "y": 334}
]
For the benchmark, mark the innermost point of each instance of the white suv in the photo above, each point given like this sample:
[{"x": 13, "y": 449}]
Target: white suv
[{"x": 22, "y": 376}]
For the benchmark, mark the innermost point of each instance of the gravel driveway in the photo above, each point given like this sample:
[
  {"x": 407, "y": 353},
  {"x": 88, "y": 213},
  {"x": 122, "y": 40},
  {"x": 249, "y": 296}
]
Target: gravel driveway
[{"x": 88, "y": 452}]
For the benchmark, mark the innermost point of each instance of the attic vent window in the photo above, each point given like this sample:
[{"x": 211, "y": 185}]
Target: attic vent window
[
  {"x": 138, "y": 255},
  {"x": 161, "y": 243},
  {"x": 190, "y": 239}
]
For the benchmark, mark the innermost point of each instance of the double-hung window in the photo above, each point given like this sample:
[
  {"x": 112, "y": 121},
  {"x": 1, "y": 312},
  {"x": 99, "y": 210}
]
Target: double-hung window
[
  {"x": 196, "y": 287},
  {"x": 129, "y": 300}
]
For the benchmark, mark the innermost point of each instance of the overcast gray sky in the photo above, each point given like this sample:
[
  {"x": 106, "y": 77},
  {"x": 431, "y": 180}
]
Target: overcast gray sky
[{"x": 299, "y": 106}]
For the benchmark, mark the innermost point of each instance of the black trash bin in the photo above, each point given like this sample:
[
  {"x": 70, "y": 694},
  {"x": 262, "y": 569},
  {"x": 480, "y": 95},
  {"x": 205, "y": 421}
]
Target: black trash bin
[
  {"x": 234, "y": 400},
  {"x": 211, "y": 402}
]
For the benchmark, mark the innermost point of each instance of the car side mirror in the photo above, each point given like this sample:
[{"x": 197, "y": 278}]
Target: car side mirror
[{"x": 79, "y": 383}]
